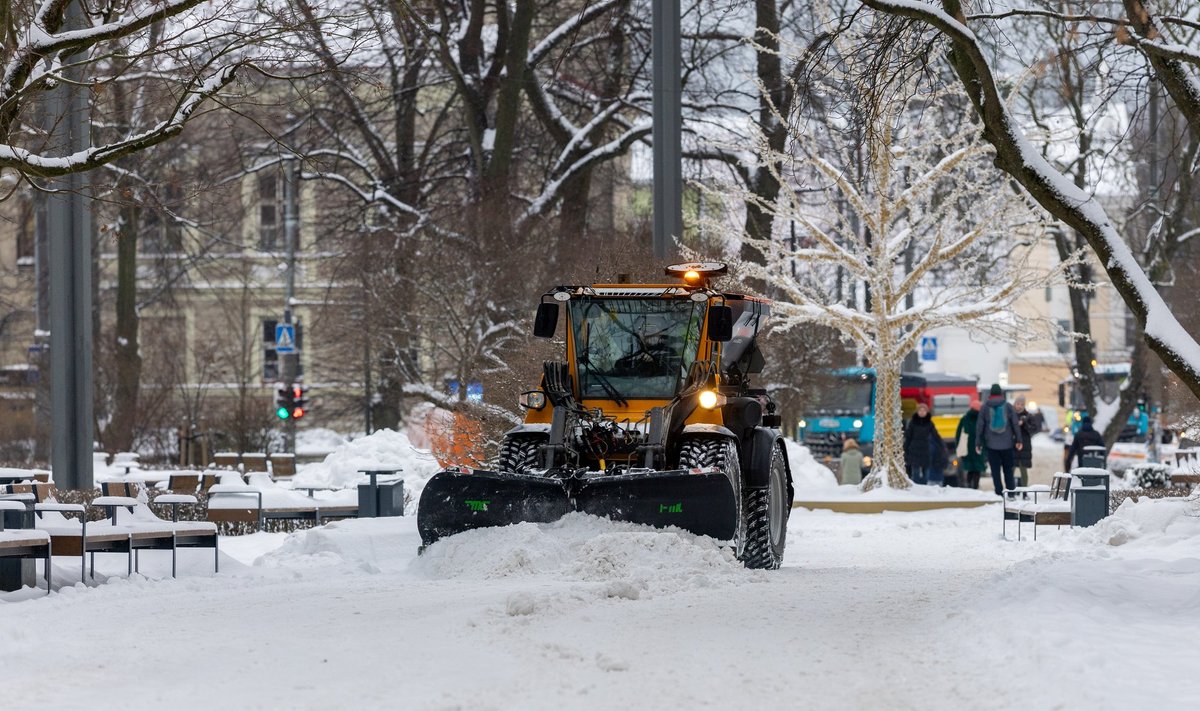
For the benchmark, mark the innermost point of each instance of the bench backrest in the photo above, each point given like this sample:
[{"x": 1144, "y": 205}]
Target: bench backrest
[
  {"x": 254, "y": 462},
  {"x": 42, "y": 491},
  {"x": 184, "y": 483},
  {"x": 1061, "y": 488},
  {"x": 283, "y": 465},
  {"x": 119, "y": 488}
]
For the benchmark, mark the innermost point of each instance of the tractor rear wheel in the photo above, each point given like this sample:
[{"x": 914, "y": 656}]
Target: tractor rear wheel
[
  {"x": 519, "y": 453},
  {"x": 720, "y": 453},
  {"x": 766, "y": 513}
]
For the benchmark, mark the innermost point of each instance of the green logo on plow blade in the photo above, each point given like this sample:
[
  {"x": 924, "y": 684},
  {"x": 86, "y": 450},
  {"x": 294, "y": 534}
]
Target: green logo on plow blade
[
  {"x": 475, "y": 505},
  {"x": 670, "y": 508}
]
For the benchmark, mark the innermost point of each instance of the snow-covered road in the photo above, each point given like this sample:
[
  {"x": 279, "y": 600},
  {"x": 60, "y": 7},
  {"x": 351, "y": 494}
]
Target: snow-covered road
[{"x": 920, "y": 611}]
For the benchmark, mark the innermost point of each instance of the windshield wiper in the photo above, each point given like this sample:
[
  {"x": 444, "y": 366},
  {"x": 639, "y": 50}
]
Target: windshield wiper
[{"x": 587, "y": 364}]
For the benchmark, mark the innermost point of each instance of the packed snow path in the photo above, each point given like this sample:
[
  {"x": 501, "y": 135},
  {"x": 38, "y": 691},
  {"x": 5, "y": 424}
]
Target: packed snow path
[{"x": 922, "y": 611}]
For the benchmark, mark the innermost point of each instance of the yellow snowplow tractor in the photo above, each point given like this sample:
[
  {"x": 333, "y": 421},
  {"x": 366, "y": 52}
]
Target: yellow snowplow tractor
[{"x": 649, "y": 418}]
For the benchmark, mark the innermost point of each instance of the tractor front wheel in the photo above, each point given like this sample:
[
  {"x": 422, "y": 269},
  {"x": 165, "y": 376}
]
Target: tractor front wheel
[
  {"x": 766, "y": 513},
  {"x": 520, "y": 453}
]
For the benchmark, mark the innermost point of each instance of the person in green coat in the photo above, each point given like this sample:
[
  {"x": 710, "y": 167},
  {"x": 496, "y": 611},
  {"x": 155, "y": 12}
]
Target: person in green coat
[
  {"x": 852, "y": 462},
  {"x": 972, "y": 463}
]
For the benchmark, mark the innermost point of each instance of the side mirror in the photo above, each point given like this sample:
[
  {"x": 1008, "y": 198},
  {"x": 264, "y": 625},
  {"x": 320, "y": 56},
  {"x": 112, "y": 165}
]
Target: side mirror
[
  {"x": 720, "y": 323},
  {"x": 546, "y": 320},
  {"x": 1062, "y": 394}
]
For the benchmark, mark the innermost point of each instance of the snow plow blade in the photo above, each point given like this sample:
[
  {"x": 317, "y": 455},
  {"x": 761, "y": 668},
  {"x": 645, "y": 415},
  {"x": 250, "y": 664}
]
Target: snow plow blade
[
  {"x": 699, "y": 501},
  {"x": 702, "y": 502},
  {"x": 455, "y": 501}
]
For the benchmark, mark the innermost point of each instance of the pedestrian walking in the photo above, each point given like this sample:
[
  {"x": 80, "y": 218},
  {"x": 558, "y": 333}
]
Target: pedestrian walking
[
  {"x": 923, "y": 459},
  {"x": 996, "y": 431},
  {"x": 1027, "y": 426},
  {"x": 970, "y": 462},
  {"x": 852, "y": 462},
  {"x": 1087, "y": 436}
]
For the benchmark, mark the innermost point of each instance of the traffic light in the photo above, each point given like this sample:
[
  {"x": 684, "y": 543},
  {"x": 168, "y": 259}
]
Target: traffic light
[
  {"x": 299, "y": 401},
  {"x": 284, "y": 402}
]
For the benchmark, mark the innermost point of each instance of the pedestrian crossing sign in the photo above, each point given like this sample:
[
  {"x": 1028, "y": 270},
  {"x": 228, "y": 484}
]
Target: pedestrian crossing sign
[
  {"x": 929, "y": 348},
  {"x": 285, "y": 338}
]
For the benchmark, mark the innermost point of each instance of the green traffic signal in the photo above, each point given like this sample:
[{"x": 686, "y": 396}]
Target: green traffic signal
[{"x": 283, "y": 413}]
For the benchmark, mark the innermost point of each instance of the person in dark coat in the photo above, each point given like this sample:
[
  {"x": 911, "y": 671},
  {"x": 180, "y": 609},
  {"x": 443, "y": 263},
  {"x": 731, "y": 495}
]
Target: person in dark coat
[
  {"x": 1027, "y": 427},
  {"x": 996, "y": 431},
  {"x": 1087, "y": 436},
  {"x": 972, "y": 463},
  {"x": 920, "y": 454}
]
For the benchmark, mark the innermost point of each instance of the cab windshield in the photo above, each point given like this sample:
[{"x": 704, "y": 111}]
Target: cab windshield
[
  {"x": 846, "y": 396},
  {"x": 634, "y": 348}
]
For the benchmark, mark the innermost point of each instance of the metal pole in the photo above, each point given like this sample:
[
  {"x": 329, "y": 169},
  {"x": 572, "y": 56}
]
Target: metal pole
[
  {"x": 289, "y": 363},
  {"x": 68, "y": 227},
  {"x": 667, "y": 127}
]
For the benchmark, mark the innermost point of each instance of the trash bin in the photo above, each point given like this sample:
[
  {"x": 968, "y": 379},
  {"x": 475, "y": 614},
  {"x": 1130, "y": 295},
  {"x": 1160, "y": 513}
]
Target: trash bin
[
  {"x": 1089, "y": 496},
  {"x": 381, "y": 498},
  {"x": 1094, "y": 457},
  {"x": 1089, "y": 504}
]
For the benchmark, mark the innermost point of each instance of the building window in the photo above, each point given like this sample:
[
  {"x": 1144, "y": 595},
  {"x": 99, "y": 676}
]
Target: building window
[
  {"x": 26, "y": 232},
  {"x": 270, "y": 204},
  {"x": 1063, "y": 338},
  {"x": 162, "y": 232}
]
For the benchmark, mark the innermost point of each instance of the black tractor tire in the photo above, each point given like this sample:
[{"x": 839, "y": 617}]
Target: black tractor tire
[
  {"x": 706, "y": 452},
  {"x": 520, "y": 453},
  {"x": 766, "y": 512}
]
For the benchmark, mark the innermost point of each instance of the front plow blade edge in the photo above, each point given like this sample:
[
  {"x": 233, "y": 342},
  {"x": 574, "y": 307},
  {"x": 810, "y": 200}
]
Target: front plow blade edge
[
  {"x": 455, "y": 501},
  {"x": 702, "y": 503}
]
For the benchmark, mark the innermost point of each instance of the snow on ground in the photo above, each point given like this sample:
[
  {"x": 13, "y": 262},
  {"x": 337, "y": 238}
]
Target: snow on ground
[{"x": 928, "y": 610}]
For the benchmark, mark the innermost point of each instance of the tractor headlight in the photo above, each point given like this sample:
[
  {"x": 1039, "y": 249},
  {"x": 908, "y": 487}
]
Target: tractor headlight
[
  {"x": 858, "y": 424},
  {"x": 710, "y": 399},
  {"x": 532, "y": 400}
]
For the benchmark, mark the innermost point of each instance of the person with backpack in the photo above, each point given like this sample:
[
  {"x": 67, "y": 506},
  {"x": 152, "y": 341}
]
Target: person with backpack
[
  {"x": 1087, "y": 436},
  {"x": 997, "y": 432}
]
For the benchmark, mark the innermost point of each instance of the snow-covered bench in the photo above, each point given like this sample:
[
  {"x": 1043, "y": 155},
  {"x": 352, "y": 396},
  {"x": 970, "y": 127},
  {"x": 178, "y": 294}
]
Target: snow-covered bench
[
  {"x": 23, "y": 542},
  {"x": 1023, "y": 504},
  {"x": 262, "y": 500},
  {"x": 186, "y": 534}
]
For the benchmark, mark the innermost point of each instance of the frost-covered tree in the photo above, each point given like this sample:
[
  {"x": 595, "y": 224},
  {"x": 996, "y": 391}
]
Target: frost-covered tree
[
  {"x": 928, "y": 228},
  {"x": 1163, "y": 49}
]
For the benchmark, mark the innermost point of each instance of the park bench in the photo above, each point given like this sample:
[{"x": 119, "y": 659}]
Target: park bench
[
  {"x": 1022, "y": 505},
  {"x": 187, "y": 534},
  {"x": 261, "y": 501},
  {"x": 1187, "y": 468},
  {"x": 24, "y": 543}
]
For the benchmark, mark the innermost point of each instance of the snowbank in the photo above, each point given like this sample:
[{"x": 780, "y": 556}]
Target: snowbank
[
  {"x": 317, "y": 441},
  {"x": 807, "y": 473},
  {"x": 383, "y": 449},
  {"x": 627, "y": 560}
]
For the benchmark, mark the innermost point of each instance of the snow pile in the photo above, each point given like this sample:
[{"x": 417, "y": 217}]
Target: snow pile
[
  {"x": 620, "y": 560},
  {"x": 1160, "y": 525},
  {"x": 317, "y": 441},
  {"x": 807, "y": 473},
  {"x": 366, "y": 545},
  {"x": 383, "y": 449}
]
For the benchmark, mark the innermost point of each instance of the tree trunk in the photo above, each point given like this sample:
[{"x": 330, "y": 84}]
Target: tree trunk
[{"x": 121, "y": 431}]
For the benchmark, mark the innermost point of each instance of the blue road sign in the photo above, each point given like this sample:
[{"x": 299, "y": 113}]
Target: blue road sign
[
  {"x": 928, "y": 347},
  {"x": 285, "y": 338}
]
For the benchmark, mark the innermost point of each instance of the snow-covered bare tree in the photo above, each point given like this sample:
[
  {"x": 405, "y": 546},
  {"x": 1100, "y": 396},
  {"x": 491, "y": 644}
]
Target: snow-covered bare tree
[
  {"x": 183, "y": 52},
  {"x": 927, "y": 190},
  {"x": 1162, "y": 41}
]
